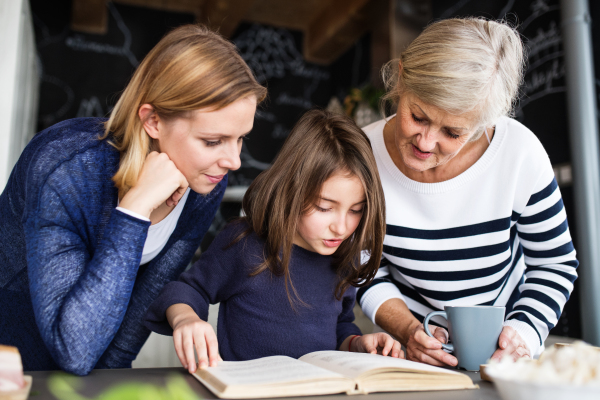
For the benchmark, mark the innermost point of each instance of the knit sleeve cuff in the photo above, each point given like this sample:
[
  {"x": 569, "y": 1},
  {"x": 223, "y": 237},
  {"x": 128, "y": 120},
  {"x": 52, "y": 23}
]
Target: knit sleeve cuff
[
  {"x": 528, "y": 334},
  {"x": 378, "y": 294}
]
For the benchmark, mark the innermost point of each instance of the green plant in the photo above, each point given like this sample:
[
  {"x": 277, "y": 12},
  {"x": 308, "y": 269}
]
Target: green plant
[{"x": 65, "y": 387}]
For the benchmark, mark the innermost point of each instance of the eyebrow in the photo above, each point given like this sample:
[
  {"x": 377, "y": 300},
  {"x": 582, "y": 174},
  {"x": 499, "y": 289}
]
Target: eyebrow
[
  {"x": 450, "y": 127},
  {"x": 220, "y": 135},
  {"x": 337, "y": 202}
]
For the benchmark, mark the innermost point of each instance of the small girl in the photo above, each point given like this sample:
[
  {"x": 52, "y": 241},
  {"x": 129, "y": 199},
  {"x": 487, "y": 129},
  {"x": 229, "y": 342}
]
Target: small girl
[{"x": 285, "y": 274}]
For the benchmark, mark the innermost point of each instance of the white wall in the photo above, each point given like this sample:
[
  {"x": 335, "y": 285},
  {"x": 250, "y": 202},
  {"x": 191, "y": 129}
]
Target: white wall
[{"x": 19, "y": 83}]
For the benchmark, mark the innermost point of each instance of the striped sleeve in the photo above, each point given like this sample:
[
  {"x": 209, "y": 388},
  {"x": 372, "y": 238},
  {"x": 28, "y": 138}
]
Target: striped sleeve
[
  {"x": 378, "y": 292},
  {"x": 551, "y": 266}
]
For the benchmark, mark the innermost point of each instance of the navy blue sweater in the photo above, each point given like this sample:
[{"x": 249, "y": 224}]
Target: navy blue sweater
[
  {"x": 72, "y": 293},
  {"x": 255, "y": 316}
]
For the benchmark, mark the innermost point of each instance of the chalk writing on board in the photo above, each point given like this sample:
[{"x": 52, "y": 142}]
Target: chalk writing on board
[
  {"x": 90, "y": 108},
  {"x": 80, "y": 43},
  {"x": 272, "y": 53},
  {"x": 546, "y": 58}
]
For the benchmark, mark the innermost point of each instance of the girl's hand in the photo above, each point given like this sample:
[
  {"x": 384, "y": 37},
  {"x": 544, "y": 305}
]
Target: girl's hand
[
  {"x": 422, "y": 348},
  {"x": 189, "y": 333},
  {"x": 377, "y": 343},
  {"x": 511, "y": 344},
  {"x": 159, "y": 181}
]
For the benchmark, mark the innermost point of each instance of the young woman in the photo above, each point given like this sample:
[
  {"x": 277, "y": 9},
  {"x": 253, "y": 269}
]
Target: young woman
[
  {"x": 98, "y": 215},
  {"x": 283, "y": 275}
]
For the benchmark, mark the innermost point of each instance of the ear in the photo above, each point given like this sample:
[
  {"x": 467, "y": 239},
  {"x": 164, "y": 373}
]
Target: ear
[
  {"x": 399, "y": 67},
  {"x": 149, "y": 120}
]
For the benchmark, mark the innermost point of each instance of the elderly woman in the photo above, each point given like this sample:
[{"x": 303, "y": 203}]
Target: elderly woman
[{"x": 474, "y": 214}]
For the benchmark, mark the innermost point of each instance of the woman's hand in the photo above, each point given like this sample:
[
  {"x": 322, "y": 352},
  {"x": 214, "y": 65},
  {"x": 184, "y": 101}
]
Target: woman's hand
[
  {"x": 189, "y": 333},
  {"x": 423, "y": 348},
  {"x": 160, "y": 181},
  {"x": 511, "y": 345},
  {"x": 376, "y": 343}
]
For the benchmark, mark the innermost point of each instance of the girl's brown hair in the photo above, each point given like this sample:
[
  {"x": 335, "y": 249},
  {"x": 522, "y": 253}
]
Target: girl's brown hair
[
  {"x": 320, "y": 145},
  {"x": 189, "y": 69}
]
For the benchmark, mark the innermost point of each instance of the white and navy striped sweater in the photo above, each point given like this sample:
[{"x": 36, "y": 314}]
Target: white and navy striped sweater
[{"x": 495, "y": 235}]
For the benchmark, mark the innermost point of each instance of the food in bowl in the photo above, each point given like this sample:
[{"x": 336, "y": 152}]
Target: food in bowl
[{"x": 560, "y": 373}]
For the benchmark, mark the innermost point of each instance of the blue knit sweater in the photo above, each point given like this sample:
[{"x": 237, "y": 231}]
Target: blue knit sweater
[
  {"x": 255, "y": 317},
  {"x": 72, "y": 293}
]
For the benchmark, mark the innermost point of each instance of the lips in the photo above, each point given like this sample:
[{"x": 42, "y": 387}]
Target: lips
[
  {"x": 332, "y": 242},
  {"x": 420, "y": 154},
  {"x": 215, "y": 178}
]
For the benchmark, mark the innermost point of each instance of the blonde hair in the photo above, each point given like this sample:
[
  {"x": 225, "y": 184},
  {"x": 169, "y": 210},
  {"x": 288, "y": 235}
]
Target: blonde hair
[
  {"x": 461, "y": 65},
  {"x": 189, "y": 69},
  {"x": 320, "y": 145}
]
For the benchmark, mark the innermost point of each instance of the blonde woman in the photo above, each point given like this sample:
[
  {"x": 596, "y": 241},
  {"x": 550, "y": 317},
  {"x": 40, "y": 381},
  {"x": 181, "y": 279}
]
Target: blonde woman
[
  {"x": 99, "y": 215},
  {"x": 474, "y": 214}
]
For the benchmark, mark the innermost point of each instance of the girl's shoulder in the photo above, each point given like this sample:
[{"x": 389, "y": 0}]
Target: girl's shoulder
[{"x": 238, "y": 240}]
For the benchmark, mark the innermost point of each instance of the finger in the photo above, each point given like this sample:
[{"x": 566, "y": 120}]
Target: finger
[
  {"x": 440, "y": 334},
  {"x": 426, "y": 341},
  {"x": 201, "y": 351},
  {"x": 402, "y": 354},
  {"x": 422, "y": 357},
  {"x": 213, "y": 348},
  {"x": 188, "y": 350},
  {"x": 498, "y": 354},
  {"x": 506, "y": 337},
  {"x": 388, "y": 344},
  {"x": 177, "y": 342},
  {"x": 396, "y": 349}
]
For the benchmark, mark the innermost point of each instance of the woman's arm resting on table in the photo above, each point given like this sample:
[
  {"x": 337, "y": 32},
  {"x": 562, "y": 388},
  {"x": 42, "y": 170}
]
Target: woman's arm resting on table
[{"x": 395, "y": 317}]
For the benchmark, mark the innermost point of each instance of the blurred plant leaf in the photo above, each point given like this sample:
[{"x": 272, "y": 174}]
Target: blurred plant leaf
[{"x": 64, "y": 387}]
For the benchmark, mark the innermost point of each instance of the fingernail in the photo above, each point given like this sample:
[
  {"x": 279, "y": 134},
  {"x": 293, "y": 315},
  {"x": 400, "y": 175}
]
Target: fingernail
[
  {"x": 203, "y": 364},
  {"x": 503, "y": 344}
]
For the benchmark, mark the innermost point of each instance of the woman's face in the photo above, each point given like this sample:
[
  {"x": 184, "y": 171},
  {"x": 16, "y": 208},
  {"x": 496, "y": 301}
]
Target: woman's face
[
  {"x": 206, "y": 145},
  {"x": 428, "y": 137},
  {"x": 335, "y": 216}
]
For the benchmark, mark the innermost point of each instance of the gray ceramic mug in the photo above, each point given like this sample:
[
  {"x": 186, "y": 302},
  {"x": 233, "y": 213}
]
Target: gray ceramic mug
[{"x": 474, "y": 331}]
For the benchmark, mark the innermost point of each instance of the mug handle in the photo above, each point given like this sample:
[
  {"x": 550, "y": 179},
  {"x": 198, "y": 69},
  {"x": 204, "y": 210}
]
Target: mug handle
[{"x": 443, "y": 314}]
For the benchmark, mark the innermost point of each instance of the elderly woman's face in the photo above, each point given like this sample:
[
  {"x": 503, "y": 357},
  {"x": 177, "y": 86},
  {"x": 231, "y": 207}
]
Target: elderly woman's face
[{"x": 428, "y": 137}]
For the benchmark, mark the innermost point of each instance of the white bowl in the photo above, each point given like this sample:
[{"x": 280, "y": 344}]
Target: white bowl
[{"x": 511, "y": 389}]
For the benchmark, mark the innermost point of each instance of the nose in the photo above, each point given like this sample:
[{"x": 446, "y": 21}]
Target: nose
[
  {"x": 231, "y": 157},
  {"x": 339, "y": 225},
  {"x": 427, "y": 140}
]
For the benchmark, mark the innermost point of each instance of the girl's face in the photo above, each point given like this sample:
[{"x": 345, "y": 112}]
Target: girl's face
[
  {"x": 335, "y": 216},
  {"x": 207, "y": 144}
]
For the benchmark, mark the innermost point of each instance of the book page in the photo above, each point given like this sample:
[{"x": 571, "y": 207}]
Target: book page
[
  {"x": 353, "y": 365},
  {"x": 268, "y": 370}
]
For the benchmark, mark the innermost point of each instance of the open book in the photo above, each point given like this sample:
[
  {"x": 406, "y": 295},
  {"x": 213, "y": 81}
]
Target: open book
[{"x": 326, "y": 372}]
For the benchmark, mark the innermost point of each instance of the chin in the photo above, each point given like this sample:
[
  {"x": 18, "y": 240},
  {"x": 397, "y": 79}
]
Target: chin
[{"x": 203, "y": 189}]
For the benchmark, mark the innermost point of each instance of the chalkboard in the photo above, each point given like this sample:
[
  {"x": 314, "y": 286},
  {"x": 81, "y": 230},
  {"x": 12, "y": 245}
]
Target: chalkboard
[{"x": 542, "y": 107}]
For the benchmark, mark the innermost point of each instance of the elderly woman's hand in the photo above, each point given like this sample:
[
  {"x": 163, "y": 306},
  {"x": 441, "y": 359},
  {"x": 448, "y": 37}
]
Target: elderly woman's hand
[
  {"x": 422, "y": 348},
  {"x": 511, "y": 344}
]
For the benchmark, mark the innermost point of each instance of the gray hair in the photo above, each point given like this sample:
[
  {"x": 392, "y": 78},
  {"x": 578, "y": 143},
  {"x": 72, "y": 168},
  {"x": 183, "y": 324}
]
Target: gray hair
[{"x": 461, "y": 65}]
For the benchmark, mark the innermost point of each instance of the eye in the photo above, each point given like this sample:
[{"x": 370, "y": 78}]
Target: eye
[
  {"x": 211, "y": 143},
  {"x": 417, "y": 119},
  {"x": 243, "y": 138},
  {"x": 357, "y": 211},
  {"x": 451, "y": 134},
  {"x": 322, "y": 209}
]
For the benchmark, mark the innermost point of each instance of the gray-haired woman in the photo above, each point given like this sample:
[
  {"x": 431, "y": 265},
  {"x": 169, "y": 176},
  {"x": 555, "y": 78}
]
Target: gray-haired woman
[{"x": 474, "y": 214}]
